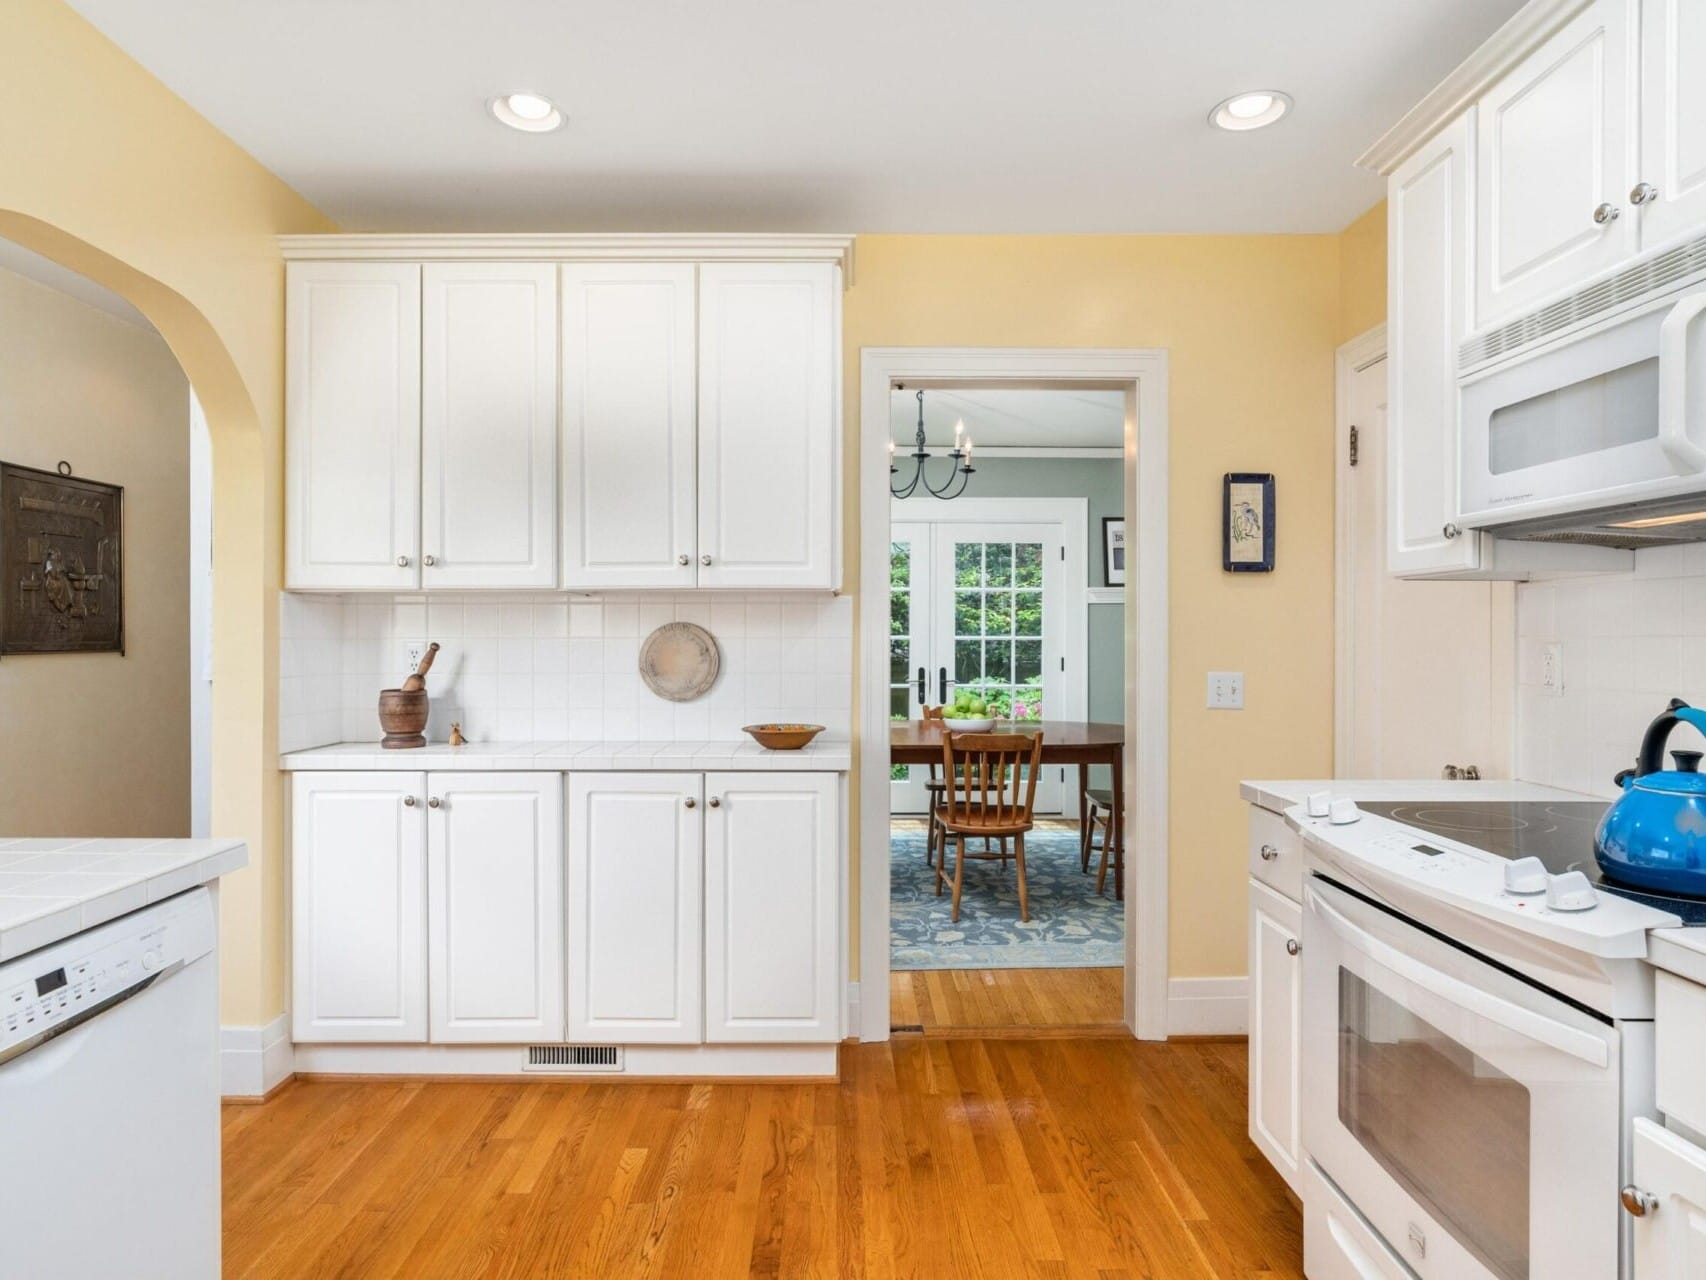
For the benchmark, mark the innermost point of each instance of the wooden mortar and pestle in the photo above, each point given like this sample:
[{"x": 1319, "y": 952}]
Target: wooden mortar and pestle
[{"x": 403, "y": 712}]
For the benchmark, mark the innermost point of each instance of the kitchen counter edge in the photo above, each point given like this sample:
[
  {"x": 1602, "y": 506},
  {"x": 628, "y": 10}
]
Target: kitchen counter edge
[{"x": 568, "y": 757}]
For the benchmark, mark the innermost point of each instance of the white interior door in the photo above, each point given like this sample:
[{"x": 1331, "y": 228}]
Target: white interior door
[
  {"x": 909, "y": 651},
  {"x": 1420, "y": 681}
]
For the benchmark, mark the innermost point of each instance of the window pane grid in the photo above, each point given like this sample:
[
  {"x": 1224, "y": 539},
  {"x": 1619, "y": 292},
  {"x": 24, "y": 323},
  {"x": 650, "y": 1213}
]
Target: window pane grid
[{"x": 999, "y": 625}]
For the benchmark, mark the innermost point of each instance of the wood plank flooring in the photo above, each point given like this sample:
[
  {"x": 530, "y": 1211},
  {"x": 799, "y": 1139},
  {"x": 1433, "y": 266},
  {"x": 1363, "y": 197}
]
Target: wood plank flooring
[
  {"x": 944, "y": 1159},
  {"x": 969, "y": 1001}
]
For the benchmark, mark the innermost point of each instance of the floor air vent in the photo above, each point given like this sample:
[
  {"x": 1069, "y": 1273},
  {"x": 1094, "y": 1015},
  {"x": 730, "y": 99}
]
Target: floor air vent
[{"x": 574, "y": 1057}]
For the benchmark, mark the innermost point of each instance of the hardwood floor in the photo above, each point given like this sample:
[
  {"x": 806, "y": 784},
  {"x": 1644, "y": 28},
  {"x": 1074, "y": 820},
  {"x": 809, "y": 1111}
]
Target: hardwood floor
[
  {"x": 971, "y": 1001},
  {"x": 951, "y": 1158}
]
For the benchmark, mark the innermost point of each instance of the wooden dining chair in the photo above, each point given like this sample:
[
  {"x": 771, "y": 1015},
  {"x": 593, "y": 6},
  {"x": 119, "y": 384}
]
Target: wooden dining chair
[
  {"x": 990, "y": 790},
  {"x": 1098, "y": 816}
]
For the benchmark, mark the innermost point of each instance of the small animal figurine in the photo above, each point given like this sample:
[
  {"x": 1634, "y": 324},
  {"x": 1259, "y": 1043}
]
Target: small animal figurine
[{"x": 456, "y": 738}]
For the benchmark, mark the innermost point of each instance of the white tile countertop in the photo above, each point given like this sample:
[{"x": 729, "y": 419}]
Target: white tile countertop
[
  {"x": 54, "y": 887},
  {"x": 1681, "y": 951},
  {"x": 743, "y": 754},
  {"x": 1279, "y": 795}
]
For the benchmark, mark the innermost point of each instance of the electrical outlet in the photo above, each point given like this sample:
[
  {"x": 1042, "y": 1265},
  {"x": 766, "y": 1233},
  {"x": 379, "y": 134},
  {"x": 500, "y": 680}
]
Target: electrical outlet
[
  {"x": 1552, "y": 668},
  {"x": 1226, "y": 690},
  {"x": 413, "y": 652}
]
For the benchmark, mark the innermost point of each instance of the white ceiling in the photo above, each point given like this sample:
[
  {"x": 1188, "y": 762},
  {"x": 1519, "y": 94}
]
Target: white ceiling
[
  {"x": 1012, "y": 418},
  {"x": 808, "y": 115},
  {"x": 20, "y": 261}
]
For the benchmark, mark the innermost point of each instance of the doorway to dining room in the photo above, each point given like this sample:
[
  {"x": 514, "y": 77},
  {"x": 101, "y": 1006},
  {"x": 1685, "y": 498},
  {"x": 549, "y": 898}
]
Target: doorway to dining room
[{"x": 1006, "y": 606}]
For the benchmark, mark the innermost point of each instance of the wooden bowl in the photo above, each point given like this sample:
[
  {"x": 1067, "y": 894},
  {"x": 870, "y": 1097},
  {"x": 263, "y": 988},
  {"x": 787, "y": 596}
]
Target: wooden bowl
[
  {"x": 403, "y": 716},
  {"x": 783, "y": 737}
]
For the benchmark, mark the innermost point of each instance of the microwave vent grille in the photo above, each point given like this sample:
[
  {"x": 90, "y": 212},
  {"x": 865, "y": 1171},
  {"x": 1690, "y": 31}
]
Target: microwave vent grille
[
  {"x": 1621, "y": 539},
  {"x": 1632, "y": 283}
]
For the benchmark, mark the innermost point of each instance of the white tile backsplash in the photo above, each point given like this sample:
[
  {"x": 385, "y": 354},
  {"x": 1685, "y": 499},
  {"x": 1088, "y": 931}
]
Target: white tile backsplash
[
  {"x": 1628, "y": 643},
  {"x": 552, "y": 667}
]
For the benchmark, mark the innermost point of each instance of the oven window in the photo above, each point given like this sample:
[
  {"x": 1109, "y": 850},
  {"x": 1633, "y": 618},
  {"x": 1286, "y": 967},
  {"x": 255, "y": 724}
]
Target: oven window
[
  {"x": 1601, "y": 412},
  {"x": 1450, "y": 1127}
]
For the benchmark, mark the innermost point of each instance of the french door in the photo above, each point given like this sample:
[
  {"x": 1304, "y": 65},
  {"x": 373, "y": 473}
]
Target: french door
[{"x": 980, "y": 606}]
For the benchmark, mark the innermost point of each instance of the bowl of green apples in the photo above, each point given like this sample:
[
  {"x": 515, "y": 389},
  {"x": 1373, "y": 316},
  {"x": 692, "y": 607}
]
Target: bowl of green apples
[{"x": 968, "y": 713}]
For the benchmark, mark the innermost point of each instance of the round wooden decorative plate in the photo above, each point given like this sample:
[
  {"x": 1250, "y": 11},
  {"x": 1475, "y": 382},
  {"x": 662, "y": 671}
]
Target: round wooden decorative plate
[{"x": 679, "y": 661}]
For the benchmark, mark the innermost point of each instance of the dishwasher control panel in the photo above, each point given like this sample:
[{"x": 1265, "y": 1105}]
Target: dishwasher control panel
[{"x": 66, "y": 982}]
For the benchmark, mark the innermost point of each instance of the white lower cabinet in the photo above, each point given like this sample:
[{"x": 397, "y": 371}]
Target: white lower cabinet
[
  {"x": 358, "y": 869},
  {"x": 1276, "y": 1009},
  {"x": 1670, "y": 1235},
  {"x": 390, "y": 905},
  {"x": 495, "y": 907}
]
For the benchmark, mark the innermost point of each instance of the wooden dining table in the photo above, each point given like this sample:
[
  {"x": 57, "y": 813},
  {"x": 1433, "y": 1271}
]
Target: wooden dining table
[{"x": 1079, "y": 742}]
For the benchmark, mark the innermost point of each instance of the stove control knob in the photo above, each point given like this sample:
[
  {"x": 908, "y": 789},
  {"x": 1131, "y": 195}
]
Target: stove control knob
[
  {"x": 1343, "y": 811},
  {"x": 1318, "y": 803},
  {"x": 1524, "y": 876},
  {"x": 1570, "y": 892}
]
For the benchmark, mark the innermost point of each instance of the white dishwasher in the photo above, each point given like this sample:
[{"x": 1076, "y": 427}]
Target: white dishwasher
[{"x": 109, "y": 1101}]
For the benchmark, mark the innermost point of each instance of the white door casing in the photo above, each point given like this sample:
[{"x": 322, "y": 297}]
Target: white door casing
[{"x": 629, "y": 425}]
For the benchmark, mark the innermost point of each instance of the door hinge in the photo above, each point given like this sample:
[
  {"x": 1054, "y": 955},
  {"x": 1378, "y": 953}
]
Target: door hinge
[
  {"x": 1063, "y": 553},
  {"x": 1353, "y": 446},
  {"x": 1063, "y": 664}
]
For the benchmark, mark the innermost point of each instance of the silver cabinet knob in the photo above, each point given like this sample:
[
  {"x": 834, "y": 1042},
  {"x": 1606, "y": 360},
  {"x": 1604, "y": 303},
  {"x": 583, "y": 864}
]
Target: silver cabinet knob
[
  {"x": 683, "y": 559},
  {"x": 429, "y": 561},
  {"x": 1269, "y": 853},
  {"x": 409, "y": 802},
  {"x": 402, "y": 562},
  {"x": 434, "y": 803},
  {"x": 1643, "y": 193},
  {"x": 1451, "y": 531},
  {"x": 1292, "y": 946},
  {"x": 692, "y": 803},
  {"x": 1607, "y": 213},
  {"x": 1636, "y": 1202},
  {"x": 705, "y": 559},
  {"x": 715, "y": 803}
]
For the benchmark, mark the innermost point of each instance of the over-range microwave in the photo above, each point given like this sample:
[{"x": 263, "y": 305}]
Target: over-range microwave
[{"x": 1599, "y": 437}]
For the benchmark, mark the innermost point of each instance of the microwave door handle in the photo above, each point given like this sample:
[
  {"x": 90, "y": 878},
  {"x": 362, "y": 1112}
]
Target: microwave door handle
[
  {"x": 1679, "y": 444},
  {"x": 1578, "y": 1044}
]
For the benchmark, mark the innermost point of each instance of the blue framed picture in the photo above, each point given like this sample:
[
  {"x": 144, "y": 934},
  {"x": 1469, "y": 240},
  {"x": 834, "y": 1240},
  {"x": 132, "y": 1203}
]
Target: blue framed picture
[{"x": 1247, "y": 522}]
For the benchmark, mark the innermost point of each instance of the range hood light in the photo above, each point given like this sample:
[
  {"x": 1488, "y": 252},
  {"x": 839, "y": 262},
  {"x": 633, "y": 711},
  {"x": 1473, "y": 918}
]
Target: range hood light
[{"x": 1656, "y": 522}]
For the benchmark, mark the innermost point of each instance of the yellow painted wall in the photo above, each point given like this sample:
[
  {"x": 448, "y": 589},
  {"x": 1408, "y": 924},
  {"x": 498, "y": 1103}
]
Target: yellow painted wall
[
  {"x": 1362, "y": 274},
  {"x": 79, "y": 384},
  {"x": 105, "y": 170}
]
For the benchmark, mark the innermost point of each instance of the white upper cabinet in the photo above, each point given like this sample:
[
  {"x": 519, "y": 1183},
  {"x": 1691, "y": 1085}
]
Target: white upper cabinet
[
  {"x": 1555, "y": 164},
  {"x": 488, "y": 425},
  {"x": 1428, "y": 274},
  {"x": 1673, "y": 122},
  {"x": 352, "y": 425},
  {"x": 769, "y": 360},
  {"x": 629, "y": 478},
  {"x": 772, "y": 919},
  {"x": 358, "y": 886},
  {"x": 636, "y": 850}
]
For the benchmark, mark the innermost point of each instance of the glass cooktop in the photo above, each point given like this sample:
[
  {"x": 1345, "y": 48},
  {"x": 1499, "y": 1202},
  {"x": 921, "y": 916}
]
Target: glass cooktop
[{"x": 1560, "y": 835}]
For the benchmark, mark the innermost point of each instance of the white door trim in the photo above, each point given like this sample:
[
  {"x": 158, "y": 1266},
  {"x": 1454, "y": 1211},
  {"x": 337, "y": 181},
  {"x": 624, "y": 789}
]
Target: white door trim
[
  {"x": 1143, "y": 375},
  {"x": 1349, "y": 360}
]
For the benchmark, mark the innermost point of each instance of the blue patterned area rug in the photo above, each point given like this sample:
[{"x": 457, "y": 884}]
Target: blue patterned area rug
[{"x": 1070, "y": 926}]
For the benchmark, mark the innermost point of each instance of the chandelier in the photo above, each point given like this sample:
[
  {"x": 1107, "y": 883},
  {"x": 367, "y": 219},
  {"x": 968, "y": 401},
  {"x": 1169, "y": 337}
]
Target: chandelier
[{"x": 959, "y": 467}]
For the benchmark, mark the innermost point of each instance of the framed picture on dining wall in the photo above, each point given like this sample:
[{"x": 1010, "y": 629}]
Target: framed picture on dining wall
[
  {"x": 1113, "y": 551},
  {"x": 1247, "y": 522}
]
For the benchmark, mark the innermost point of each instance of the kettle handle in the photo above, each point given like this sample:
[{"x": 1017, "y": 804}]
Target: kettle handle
[{"x": 1652, "y": 758}]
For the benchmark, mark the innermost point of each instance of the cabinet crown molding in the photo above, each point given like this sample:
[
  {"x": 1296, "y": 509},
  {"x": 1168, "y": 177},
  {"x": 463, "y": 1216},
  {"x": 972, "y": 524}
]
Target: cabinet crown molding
[
  {"x": 1501, "y": 51},
  {"x": 574, "y": 247}
]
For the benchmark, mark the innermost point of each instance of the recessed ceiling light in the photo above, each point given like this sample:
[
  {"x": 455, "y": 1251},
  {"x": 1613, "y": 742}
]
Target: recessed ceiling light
[
  {"x": 529, "y": 112},
  {"x": 1250, "y": 110}
]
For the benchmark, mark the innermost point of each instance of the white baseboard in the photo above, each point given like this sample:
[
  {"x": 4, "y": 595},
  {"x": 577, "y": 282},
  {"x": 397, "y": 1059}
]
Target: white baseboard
[
  {"x": 253, "y": 1061},
  {"x": 642, "y": 1061},
  {"x": 1208, "y": 1006},
  {"x": 851, "y": 1026}
]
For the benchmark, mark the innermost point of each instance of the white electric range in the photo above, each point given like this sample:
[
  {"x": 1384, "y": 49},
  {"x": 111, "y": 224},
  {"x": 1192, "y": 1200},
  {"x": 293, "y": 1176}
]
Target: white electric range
[{"x": 1478, "y": 997}]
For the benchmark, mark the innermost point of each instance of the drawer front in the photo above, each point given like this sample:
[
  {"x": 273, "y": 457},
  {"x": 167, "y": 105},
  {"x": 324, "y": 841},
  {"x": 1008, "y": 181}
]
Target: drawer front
[
  {"x": 1338, "y": 1242},
  {"x": 1276, "y": 854},
  {"x": 1679, "y": 1034}
]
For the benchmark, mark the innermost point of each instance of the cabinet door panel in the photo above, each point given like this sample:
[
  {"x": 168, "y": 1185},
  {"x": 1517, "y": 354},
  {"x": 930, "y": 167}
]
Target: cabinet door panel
[
  {"x": 489, "y": 425},
  {"x": 634, "y": 898},
  {"x": 769, "y": 347},
  {"x": 1673, "y": 119},
  {"x": 772, "y": 916},
  {"x": 1427, "y": 233},
  {"x": 1670, "y": 1241},
  {"x": 495, "y": 907},
  {"x": 1554, "y": 142},
  {"x": 1276, "y": 1009},
  {"x": 358, "y": 871},
  {"x": 352, "y": 425},
  {"x": 628, "y": 425}
]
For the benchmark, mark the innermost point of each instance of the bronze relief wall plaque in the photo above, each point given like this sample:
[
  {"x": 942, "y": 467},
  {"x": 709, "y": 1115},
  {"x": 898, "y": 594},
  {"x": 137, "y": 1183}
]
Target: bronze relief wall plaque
[{"x": 61, "y": 564}]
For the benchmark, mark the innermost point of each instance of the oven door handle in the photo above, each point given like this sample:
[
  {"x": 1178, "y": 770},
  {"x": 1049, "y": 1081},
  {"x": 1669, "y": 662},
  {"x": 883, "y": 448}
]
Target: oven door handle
[{"x": 1556, "y": 1035}]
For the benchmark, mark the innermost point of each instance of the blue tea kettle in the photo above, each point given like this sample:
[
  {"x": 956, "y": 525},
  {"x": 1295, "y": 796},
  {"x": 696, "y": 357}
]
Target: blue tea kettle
[{"x": 1654, "y": 837}]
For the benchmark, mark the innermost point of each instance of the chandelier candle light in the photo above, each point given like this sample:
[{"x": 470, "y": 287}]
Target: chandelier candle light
[{"x": 960, "y": 457}]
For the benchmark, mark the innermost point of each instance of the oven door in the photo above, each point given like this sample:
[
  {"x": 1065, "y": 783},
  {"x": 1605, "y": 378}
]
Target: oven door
[{"x": 1471, "y": 1118}]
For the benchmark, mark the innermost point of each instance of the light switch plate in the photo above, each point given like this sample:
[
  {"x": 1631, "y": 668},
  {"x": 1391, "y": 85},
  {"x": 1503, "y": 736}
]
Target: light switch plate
[{"x": 1226, "y": 690}]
